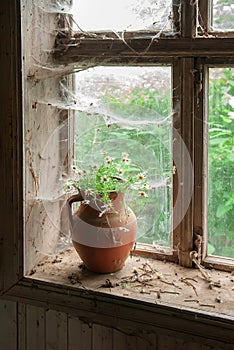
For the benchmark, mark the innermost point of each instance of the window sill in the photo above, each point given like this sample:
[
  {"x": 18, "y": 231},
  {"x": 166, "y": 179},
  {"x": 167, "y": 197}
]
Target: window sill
[{"x": 148, "y": 280}]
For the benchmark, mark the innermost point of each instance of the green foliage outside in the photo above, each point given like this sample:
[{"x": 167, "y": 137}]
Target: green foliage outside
[
  {"x": 149, "y": 101},
  {"x": 154, "y": 219},
  {"x": 223, "y": 14},
  {"x": 154, "y": 141},
  {"x": 221, "y": 157},
  {"x": 148, "y": 144}
]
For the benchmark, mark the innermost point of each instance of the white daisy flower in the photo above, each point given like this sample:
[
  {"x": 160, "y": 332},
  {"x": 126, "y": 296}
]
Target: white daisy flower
[
  {"x": 108, "y": 160},
  {"x": 143, "y": 194},
  {"x": 141, "y": 176},
  {"x": 105, "y": 178}
]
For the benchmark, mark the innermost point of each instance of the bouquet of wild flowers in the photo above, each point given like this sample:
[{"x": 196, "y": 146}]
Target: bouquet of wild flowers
[{"x": 112, "y": 175}]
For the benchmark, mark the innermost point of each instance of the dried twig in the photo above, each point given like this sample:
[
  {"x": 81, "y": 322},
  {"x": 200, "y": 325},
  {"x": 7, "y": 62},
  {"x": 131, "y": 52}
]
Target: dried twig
[
  {"x": 205, "y": 274},
  {"x": 207, "y": 305},
  {"x": 170, "y": 283},
  {"x": 214, "y": 284},
  {"x": 35, "y": 180},
  {"x": 144, "y": 283},
  {"x": 144, "y": 268},
  {"x": 164, "y": 291},
  {"x": 185, "y": 280}
]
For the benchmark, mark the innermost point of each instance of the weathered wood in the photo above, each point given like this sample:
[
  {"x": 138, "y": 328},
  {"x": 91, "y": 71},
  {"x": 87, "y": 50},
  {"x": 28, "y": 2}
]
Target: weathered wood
[
  {"x": 149, "y": 342},
  {"x": 176, "y": 104},
  {"x": 203, "y": 17},
  {"x": 219, "y": 263},
  {"x": 32, "y": 326},
  {"x": 102, "y": 337},
  {"x": 119, "y": 340},
  {"x": 160, "y": 253},
  {"x": 21, "y": 326},
  {"x": 131, "y": 342},
  {"x": 56, "y": 330},
  {"x": 200, "y": 176},
  {"x": 42, "y": 147},
  {"x": 11, "y": 240},
  {"x": 176, "y": 9},
  {"x": 183, "y": 149},
  {"x": 108, "y": 310},
  {"x": 196, "y": 346},
  {"x": 115, "y": 50},
  {"x": 8, "y": 325},
  {"x": 35, "y": 327},
  {"x": 130, "y": 321},
  {"x": 169, "y": 342},
  {"x": 188, "y": 19},
  {"x": 79, "y": 334}
]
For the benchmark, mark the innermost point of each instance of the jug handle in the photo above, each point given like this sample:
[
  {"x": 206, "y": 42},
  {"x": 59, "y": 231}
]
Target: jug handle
[{"x": 75, "y": 198}]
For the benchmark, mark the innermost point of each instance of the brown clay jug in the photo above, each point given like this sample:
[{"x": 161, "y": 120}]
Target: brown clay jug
[{"x": 102, "y": 240}]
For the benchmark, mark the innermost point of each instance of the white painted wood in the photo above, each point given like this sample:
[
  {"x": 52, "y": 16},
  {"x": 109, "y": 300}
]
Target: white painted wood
[
  {"x": 8, "y": 325},
  {"x": 40, "y": 89},
  {"x": 56, "y": 330}
]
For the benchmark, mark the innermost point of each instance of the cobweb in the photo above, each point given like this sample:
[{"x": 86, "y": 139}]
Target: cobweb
[
  {"x": 122, "y": 15},
  {"x": 111, "y": 109}
]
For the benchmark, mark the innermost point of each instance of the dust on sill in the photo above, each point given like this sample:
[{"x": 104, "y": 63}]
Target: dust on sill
[{"x": 144, "y": 279}]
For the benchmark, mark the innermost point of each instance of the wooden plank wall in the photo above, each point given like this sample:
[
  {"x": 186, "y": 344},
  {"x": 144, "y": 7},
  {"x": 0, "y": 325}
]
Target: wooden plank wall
[{"x": 27, "y": 327}]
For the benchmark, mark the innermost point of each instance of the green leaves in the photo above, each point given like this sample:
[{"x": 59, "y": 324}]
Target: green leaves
[
  {"x": 221, "y": 168},
  {"x": 112, "y": 175}
]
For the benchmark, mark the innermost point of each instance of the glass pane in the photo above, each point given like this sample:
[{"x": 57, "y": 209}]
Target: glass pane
[
  {"x": 223, "y": 15},
  {"x": 221, "y": 168},
  {"x": 109, "y": 15},
  {"x": 128, "y": 110}
]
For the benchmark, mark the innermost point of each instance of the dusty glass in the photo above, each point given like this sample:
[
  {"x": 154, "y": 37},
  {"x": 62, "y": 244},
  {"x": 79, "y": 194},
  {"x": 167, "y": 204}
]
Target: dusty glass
[
  {"x": 128, "y": 110},
  {"x": 223, "y": 15},
  {"x": 220, "y": 162},
  {"x": 122, "y": 15}
]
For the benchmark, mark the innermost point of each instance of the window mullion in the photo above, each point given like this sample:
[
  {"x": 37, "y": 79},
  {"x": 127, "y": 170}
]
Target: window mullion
[
  {"x": 200, "y": 103},
  {"x": 188, "y": 19},
  {"x": 183, "y": 148},
  {"x": 203, "y": 16},
  {"x": 176, "y": 16}
]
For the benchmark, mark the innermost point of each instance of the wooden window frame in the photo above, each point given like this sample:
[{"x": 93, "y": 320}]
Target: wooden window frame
[
  {"x": 14, "y": 285},
  {"x": 189, "y": 53}
]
